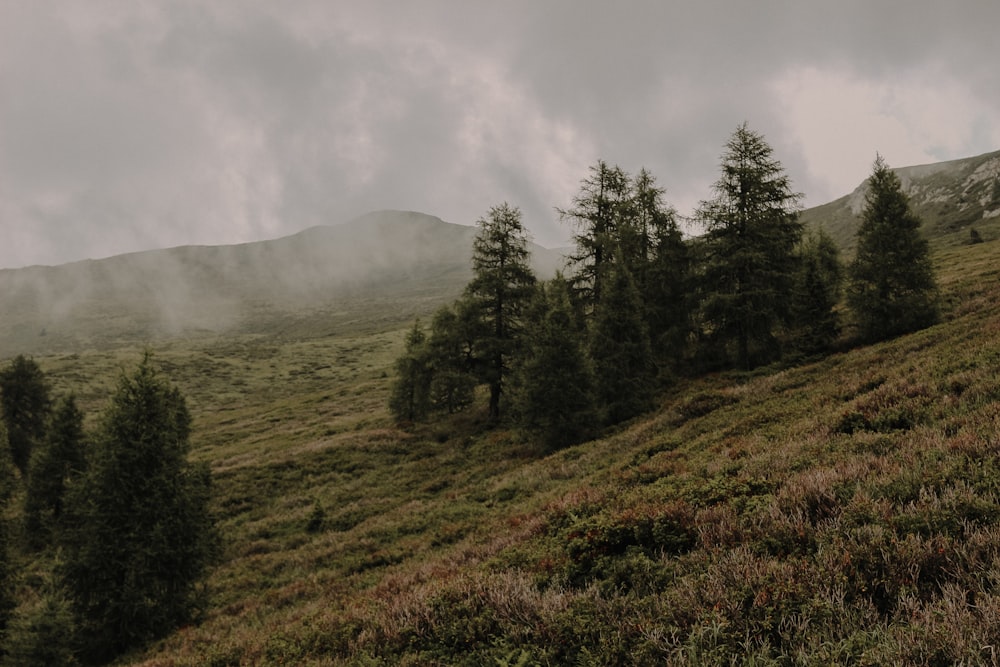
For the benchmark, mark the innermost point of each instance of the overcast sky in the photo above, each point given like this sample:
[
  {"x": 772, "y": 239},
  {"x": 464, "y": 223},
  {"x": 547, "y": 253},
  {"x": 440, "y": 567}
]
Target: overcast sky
[{"x": 134, "y": 125}]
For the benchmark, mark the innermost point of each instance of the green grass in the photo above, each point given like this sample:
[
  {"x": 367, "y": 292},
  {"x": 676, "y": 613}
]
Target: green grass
[{"x": 846, "y": 510}]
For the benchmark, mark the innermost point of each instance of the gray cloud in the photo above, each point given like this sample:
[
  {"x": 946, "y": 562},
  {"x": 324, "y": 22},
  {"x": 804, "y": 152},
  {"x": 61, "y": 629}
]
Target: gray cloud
[{"x": 138, "y": 125}]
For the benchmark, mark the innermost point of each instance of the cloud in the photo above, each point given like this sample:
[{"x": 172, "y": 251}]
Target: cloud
[
  {"x": 840, "y": 120},
  {"x": 126, "y": 126}
]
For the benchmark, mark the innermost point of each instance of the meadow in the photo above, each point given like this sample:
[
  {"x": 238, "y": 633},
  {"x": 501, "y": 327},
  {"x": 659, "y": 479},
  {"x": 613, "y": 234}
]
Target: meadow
[{"x": 842, "y": 510}]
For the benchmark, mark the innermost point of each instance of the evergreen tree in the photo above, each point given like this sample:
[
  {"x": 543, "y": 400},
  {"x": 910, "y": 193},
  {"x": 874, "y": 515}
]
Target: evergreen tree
[
  {"x": 604, "y": 200},
  {"x": 450, "y": 354},
  {"x": 140, "y": 536},
  {"x": 619, "y": 346},
  {"x": 411, "y": 392},
  {"x": 818, "y": 286},
  {"x": 892, "y": 286},
  {"x": 501, "y": 287},
  {"x": 25, "y": 403},
  {"x": 59, "y": 458},
  {"x": 752, "y": 232},
  {"x": 554, "y": 395}
]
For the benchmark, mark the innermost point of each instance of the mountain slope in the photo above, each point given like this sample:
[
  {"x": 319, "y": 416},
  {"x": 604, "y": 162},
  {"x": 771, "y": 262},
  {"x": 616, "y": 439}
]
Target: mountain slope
[
  {"x": 846, "y": 511},
  {"x": 388, "y": 264},
  {"x": 950, "y": 197}
]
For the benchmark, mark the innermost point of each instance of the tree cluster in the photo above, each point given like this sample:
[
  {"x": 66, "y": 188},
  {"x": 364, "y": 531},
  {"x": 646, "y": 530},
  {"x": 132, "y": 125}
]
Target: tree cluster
[
  {"x": 641, "y": 303},
  {"x": 118, "y": 515}
]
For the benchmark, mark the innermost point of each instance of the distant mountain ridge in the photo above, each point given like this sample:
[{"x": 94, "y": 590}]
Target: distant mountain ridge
[
  {"x": 383, "y": 264},
  {"x": 950, "y": 197}
]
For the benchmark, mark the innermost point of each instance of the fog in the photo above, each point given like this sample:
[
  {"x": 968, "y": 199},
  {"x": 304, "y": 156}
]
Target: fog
[{"x": 386, "y": 264}]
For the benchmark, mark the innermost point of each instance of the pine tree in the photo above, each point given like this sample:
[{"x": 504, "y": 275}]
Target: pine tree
[
  {"x": 892, "y": 286},
  {"x": 501, "y": 287},
  {"x": 818, "y": 286},
  {"x": 604, "y": 200},
  {"x": 25, "y": 403},
  {"x": 140, "y": 535},
  {"x": 60, "y": 457},
  {"x": 619, "y": 346},
  {"x": 752, "y": 232},
  {"x": 411, "y": 392},
  {"x": 554, "y": 388}
]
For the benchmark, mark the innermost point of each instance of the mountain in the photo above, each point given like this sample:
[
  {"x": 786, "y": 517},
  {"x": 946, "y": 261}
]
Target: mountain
[
  {"x": 383, "y": 265},
  {"x": 950, "y": 197}
]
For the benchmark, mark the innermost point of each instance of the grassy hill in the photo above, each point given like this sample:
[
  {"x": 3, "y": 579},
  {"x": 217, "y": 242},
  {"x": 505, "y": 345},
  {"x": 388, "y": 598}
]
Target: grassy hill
[
  {"x": 372, "y": 272},
  {"x": 950, "y": 197},
  {"x": 842, "y": 511}
]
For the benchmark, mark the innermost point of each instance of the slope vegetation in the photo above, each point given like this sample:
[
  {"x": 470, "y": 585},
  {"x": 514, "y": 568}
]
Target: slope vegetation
[{"x": 842, "y": 511}]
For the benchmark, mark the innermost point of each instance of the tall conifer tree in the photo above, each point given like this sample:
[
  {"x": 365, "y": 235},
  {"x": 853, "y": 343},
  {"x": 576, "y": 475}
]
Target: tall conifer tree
[
  {"x": 501, "y": 288},
  {"x": 752, "y": 232},
  {"x": 604, "y": 200}
]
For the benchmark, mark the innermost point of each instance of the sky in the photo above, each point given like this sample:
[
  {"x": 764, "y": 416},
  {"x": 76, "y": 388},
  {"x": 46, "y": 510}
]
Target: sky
[{"x": 134, "y": 125}]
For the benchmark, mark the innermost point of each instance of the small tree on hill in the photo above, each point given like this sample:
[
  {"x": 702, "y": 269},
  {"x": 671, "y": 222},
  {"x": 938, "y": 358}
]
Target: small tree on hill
[
  {"x": 892, "y": 287},
  {"x": 140, "y": 535},
  {"x": 554, "y": 395},
  {"x": 450, "y": 354},
  {"x": 501, "y": 287},
  {"x": 817, "y": 293},
  {"x": 60, "y": 457},
  {"x": 411, "y": 392},
  {"x": 619, "y": 346},
  {"x": 25, "y": 403}
]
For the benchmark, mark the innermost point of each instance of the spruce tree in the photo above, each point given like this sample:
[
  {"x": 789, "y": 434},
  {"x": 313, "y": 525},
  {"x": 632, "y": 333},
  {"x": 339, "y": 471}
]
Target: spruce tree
[
  {"x": 619, "y": 346},
  {"x": 140, "y": 536},
  {"x": 410, "y": 398},
  {"x": 892, "y": 286},
  {"x": 501, "y": 287},
  {"x": 25, "y": 403},
  {"x": 554, "y": 394},
  {"x": 752, "y": 232}
]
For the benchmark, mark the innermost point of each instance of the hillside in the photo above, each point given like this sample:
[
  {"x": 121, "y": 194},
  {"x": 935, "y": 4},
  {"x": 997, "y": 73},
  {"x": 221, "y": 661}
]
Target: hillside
[
  {"x": 950, "y": 197},
  {"x": 845, "y": 511},
  {"x": 376, "y": 270}
]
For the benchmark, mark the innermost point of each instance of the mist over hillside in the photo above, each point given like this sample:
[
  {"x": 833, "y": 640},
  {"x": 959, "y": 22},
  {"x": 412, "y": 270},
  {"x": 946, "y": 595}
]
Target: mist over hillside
[
  {"x": 379, "y": 269},
  {"x": 383, "y": 265}
]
